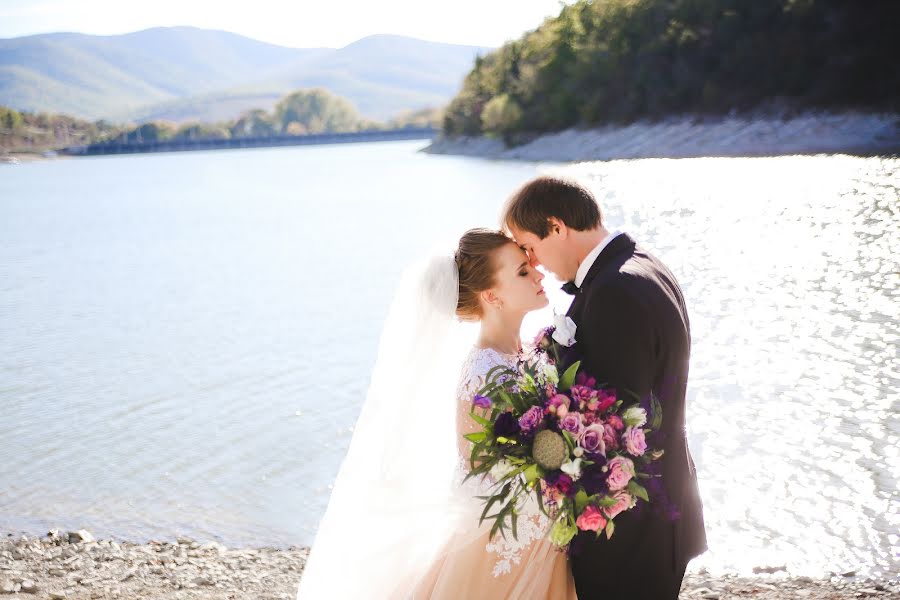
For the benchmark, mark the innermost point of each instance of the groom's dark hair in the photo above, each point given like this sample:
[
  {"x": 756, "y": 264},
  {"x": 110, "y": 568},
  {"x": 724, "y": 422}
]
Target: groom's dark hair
[{"x": 543, "y": 197}]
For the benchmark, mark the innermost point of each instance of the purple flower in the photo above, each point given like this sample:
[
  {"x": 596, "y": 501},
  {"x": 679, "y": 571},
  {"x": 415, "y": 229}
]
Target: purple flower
[
  {"x": 531, "y": 419},
  {"x": 481, "y": 401},
  {"x": 592, "y": 439},
  {"x": 572, "y": 423},
  {"x": 593, "y": 479},
  {"x": 561, "y": 481},
  {"x": 582, "y": 394},
  {"x": 506, "y": 425}
]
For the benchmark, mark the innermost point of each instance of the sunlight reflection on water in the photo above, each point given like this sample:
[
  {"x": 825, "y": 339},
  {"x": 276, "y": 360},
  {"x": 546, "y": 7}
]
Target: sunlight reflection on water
[{"x": 189, "y": 337}]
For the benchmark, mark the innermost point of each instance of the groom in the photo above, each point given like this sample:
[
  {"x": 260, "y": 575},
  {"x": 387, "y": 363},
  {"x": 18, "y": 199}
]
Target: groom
[{"x": 632, "y": 333}]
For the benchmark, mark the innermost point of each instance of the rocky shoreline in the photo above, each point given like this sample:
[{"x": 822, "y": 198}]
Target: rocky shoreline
[
  {"x": 687, "y": 137},
  {"x": 75, "y": 566}
]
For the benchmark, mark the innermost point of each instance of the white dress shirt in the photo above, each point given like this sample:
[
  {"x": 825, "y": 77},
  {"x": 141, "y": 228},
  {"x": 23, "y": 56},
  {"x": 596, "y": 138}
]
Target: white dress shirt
[{"x": 588, "y": 261}]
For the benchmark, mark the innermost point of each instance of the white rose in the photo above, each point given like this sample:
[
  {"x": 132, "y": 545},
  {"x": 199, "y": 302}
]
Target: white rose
[
  {"x": 565, "y": 330},
  {"x": 635, "y": 416},
  {"x": 501, "y": 469}
]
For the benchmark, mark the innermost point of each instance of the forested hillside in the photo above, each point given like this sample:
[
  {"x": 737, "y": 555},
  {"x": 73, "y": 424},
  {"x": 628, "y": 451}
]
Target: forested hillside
[{"x": 616, "y": 61}]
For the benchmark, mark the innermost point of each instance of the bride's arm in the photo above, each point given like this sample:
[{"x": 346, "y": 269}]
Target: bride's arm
[{"x": 465, "y": 424}]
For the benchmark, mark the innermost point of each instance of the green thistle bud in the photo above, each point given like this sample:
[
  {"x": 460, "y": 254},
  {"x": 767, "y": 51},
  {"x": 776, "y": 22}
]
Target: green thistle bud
[{"x": 549, "y": 450}]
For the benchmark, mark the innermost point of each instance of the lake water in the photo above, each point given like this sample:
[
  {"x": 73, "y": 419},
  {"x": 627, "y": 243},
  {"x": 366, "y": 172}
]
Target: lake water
[{"x": 187, "y": 338}]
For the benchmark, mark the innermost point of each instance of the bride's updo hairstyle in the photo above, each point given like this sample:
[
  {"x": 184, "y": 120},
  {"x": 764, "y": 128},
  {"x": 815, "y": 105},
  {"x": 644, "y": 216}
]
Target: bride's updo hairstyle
[{"x": 474, "y": 261}]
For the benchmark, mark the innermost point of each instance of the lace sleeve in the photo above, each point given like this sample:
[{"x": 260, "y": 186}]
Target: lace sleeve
[{"x": 478, "y": 364}]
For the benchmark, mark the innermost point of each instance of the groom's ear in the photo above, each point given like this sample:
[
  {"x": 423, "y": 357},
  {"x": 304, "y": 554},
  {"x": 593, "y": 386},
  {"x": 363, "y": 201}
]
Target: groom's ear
[{"x": 557, "y": 227}]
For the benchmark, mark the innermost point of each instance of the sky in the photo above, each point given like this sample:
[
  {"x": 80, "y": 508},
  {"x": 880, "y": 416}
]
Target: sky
[{"x": 295, "y": 23}]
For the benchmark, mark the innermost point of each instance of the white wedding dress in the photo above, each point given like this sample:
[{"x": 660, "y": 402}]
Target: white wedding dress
[
  {"x": 400, "y": 523},
  {"x": 473, "y": 566}
]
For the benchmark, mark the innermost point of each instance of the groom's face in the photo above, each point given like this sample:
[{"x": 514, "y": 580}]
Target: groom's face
[{"x": 549, "y": 252}]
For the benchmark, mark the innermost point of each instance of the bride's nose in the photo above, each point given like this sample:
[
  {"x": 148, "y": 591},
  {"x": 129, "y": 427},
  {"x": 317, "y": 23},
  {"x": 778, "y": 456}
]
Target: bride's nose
[{"x": 538, "y": 276}]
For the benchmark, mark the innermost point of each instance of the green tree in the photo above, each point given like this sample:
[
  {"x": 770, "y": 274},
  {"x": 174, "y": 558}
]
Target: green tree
[
  {"x": 10, "y": 119},
  {"x": 602, "y": 61},
  {"x": 502, "y": 115},
  {"x": 254, "y": 123},
  {"x": 318, "y": 111}
]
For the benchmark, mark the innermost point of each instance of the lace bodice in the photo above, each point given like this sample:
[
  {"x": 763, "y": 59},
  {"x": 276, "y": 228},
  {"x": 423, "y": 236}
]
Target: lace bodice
[
  {"x": 533, "y": 524},
  {"x": 478, "y": 364}
]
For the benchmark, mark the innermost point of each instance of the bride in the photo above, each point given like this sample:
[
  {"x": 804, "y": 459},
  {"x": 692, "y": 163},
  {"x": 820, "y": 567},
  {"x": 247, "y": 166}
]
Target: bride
[{"x": 401, "y": 522}]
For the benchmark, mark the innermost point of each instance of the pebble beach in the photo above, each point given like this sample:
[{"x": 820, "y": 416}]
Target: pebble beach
[{"x": 76, "y": 566}]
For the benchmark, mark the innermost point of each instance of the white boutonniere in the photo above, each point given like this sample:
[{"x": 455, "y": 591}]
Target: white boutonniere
[{"x": 565, "y": 330}]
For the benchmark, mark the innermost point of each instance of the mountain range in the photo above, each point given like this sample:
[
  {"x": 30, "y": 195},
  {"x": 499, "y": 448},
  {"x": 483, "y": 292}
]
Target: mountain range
[{"x": 185, "y": 73}]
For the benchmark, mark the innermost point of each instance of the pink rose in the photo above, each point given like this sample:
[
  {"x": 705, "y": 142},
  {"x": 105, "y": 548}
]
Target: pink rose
[
  {"x": 591, "y": 519},
  {"x": 531, "y": 419},
  {"x": 621, "y": 470},
  {"x": 591, "y": 439},
  {"x": 635, "y": 443},
  {"x": 616, "y": 422},
  {"x": 624, "y": 501},
  {"x": 610, "y": 437},
  {"x": 572, "y": 423}
]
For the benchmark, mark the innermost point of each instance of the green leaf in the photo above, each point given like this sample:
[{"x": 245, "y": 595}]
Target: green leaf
[
  {"x": 656, "y": 416},
  {"x": 533, "y": 472},
  {"x": 540, "y": 499},
  {"x": 480, "y": 420},
  {"x": 610, "y": 529},
  {"x": 606, "y": 502},
  {"x": 562, "y": 533},
  {"x": 487, "y": 508},
  {"x": 568, "y": 378},
  {"x": 515, "y": 519},
  {"x": 476, "y": 437},
  {"x": 570, "y": 441},
  {"x": 637, "y": 490},
  {"x": 581, "y": 501}
]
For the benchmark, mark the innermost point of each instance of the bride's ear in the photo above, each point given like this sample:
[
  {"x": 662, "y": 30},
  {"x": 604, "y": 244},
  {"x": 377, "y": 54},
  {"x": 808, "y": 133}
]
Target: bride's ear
[{"x": 490, "y": 300}]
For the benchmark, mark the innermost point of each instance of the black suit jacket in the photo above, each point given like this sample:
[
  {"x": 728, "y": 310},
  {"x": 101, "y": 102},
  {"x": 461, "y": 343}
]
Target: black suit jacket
[{"x": 633, "y": 333}]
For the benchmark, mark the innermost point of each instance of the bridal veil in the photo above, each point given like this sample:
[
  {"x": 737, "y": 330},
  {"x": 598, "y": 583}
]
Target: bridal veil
[{"x": 397, "y": 499}]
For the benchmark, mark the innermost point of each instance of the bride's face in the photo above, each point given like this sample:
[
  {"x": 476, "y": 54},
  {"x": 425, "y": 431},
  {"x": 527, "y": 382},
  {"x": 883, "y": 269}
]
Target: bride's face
[{"x": 518, "y": 285}]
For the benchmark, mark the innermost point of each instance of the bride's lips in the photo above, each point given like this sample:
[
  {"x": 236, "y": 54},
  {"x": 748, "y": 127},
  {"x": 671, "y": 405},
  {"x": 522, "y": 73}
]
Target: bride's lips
[{"x": 540, "y": 292}]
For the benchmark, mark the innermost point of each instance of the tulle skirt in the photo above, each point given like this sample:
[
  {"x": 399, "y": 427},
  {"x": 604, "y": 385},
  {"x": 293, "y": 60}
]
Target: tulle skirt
[{"x": 466, "y": 570}]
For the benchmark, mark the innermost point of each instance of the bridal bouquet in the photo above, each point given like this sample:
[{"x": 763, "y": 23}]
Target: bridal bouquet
[{"x": 579, "y": 447}]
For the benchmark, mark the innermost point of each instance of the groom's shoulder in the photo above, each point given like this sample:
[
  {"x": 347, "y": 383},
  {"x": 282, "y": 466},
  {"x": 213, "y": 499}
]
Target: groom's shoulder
[{"x": 638, "y": 276}]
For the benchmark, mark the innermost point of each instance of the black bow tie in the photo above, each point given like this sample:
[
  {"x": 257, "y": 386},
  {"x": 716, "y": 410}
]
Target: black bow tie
[{"x": 570, "y": 288}]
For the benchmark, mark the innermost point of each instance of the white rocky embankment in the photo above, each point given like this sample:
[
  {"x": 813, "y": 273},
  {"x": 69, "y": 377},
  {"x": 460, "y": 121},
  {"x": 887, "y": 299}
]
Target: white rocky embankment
[{"x": 686, "y": 137}]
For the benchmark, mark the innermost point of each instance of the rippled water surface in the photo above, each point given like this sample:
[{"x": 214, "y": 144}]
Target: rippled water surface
[{"x": 187, "y": 337}]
